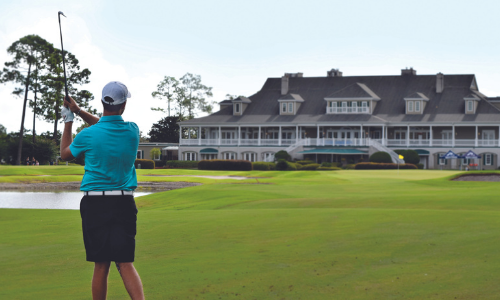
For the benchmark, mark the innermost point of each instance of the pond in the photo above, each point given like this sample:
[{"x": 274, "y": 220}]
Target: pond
[{"x": 45, "y": 199}]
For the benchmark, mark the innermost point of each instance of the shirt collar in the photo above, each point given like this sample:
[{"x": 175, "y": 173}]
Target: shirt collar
[{"x": 111, "y": 118}]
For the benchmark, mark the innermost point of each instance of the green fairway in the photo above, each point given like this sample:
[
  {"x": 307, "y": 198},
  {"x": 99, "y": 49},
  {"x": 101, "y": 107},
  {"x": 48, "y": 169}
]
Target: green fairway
[{"x": 411, "y": 234}]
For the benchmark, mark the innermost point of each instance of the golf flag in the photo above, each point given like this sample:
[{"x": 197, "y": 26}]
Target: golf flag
[{"x": 401, "y": 156}]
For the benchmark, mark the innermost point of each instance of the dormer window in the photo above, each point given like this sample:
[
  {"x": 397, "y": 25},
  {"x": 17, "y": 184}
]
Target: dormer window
[
  {"x": 239, "y": 105},
  {"x": 289, "y": 104},
  {"x": 283, "y": 107},
  {"x": 410, "y": 106},
  {"x": 237, "y": 108},
  {"x": 470, "y": 106},
  {"x": 417, "y": 106},
  {"x": 471, "y": 103},
  {"x": 357, "y": 98},
  {"x": 290, "y": 107},
  {"x": 415, "y": 103}
]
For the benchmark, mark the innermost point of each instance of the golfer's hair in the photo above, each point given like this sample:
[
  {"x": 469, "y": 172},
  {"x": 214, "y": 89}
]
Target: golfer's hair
[{"x": 112, "y": 108}]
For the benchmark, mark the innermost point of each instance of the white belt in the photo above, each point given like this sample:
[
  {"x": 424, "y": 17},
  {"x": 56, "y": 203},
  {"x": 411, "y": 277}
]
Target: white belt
[{"x": 109, "y": 193}]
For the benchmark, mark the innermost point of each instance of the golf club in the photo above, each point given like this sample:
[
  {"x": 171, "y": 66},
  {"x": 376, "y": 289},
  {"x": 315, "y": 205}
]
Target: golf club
[{"x": 62, "y": 53}]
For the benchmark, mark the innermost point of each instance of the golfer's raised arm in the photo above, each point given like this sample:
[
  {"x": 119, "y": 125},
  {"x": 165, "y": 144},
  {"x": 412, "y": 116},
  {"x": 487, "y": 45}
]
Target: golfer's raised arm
[{"x": 87, "y": 117}]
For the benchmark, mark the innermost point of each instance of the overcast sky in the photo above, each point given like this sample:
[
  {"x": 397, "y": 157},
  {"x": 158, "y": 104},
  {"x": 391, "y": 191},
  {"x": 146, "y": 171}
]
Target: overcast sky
[{"x": 236, "y": 45}]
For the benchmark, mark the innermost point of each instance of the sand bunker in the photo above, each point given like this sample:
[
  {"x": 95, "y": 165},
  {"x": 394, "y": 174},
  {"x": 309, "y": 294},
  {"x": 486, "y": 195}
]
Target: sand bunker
[{"x": 479, "y": 177}]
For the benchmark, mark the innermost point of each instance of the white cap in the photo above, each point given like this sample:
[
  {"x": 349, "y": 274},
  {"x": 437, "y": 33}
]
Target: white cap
[{"x": 115, "y": 93}]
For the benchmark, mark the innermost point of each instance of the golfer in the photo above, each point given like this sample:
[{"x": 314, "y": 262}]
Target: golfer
[{"x": 108, "y": 207}]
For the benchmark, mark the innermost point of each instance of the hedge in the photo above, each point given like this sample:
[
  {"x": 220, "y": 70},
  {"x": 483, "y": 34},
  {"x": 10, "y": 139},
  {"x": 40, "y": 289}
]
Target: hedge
[
  {"x": 263, "y": 166},
  {"x": 410, "y": 155},
  {"x": 382, "y": 166},
  {"x": 229, "y": 165},
  {"x": 310, "y": 167},
  {"x": 283, "y": 165},
  {"x": 181, "y": 164},
  {"x": 282, "y": 154},
  {"x": 380, "y": 157},
  {"x": 145, "y": 164},
  {"x": 304, "y": 162},
  {"x": 328, "y": 169}
]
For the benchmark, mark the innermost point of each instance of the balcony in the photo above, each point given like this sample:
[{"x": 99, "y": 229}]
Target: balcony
[{"x": 347, "y": 110}]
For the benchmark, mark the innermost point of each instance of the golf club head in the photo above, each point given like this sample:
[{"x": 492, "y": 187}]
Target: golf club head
[{"x": 61, "y": 13}]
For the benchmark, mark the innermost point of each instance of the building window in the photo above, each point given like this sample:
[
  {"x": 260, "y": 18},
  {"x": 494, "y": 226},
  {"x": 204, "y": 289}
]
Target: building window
[
  {"x": 208, "y": 156},
  {"x": 283, "y": 107},
  {"x": 228, "y": 155},
  {"x": 250, "y": 156},
  {"x": 488, "y": 159},
  {"x": 470, "y": 106},
  {"x": 344, "y": 107},
  {"x": 441, "y": 161},
  {"x": 268, "y": 156},
  {"x": 417, "y": 106},
  {"x": 354, "y": 107},
  {"x": 290, "y": 107},
  {"x": 237, "y": 108},
  {"x": 190, "y": 156},
  {"x": 140, "y": 154},
  {"x": 410, "y": 106}
]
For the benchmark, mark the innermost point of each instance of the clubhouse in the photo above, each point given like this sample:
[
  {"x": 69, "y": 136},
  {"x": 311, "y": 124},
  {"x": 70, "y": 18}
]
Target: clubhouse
[{"x": 346, "y": 118}]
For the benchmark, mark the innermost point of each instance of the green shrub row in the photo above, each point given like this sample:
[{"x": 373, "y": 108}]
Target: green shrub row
[
  {"x": 283, "y": 165},
  {"x": 145, "y": 164},
  {"x": 181, "y": 164},
  {"x": 382, "y": 166},
  {"x": 312, "y": 166},
  {"x": 380, "y": 157},
  {"x": 328, "y": 169},
  {"x": 304, "y": 162},
  {"x": 230, "y": 165},
  {"x": 264, "y": 166}
]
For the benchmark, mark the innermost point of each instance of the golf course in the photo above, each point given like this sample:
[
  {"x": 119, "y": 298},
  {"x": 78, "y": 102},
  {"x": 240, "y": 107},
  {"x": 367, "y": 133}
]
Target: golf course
[{"x": 350, "y": 234}]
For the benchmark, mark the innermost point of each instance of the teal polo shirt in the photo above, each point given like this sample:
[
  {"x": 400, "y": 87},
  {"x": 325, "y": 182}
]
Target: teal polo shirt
[{"x": 110, "y": 148}]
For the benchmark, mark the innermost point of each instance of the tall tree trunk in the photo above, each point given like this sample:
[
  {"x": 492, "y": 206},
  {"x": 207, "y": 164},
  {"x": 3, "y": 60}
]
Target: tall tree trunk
[
  {"x": 21, "y": 132},
  {"x": 56, "y": 119},
  {"x": 34, "y": 108}
]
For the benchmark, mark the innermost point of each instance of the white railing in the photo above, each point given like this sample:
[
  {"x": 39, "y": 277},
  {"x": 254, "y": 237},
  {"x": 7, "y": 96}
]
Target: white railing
[
  {"x": 412, "y": 143},
  {"x": 347, "y": 110}
]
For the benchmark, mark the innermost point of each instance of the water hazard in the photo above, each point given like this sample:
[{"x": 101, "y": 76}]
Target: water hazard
[{"x": 45, "y": 199}]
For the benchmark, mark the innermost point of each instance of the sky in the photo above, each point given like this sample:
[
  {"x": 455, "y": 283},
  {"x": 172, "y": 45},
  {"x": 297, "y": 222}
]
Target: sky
[{"x": 236, "y": 45}]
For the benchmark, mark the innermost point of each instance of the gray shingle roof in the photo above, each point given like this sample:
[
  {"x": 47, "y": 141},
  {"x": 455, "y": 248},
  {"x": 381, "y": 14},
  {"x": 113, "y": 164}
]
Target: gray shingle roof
[{"x": 445, "y": 107}]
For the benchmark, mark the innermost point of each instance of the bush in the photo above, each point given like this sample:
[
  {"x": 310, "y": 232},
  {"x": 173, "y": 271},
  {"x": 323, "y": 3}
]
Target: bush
[
  {"x": 420, "y": 166},
  {"x": 229, "y": 165},
  {"x": 328, "y": 169},
  {"x": 283, "y": 165},
  {"x": 145, "y": 164},
  {"x": 310, "y": 167},
  {"x": 263, "y": 166},
  {"x": 383, "y": 166},
  {"x": 181, "y": 164},
  {"x": 304, "y": 162},
  {"x": 327, "y": 164},
  {"x": 350, "y": 167},
  {"x": 159, "y": 163},
  {"x": 380, "y": 157},
  {"x": 282, "y": 154},
  {"x": 410, "y": 156}
]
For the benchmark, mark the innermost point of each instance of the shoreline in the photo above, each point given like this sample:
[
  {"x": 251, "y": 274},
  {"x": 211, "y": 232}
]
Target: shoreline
[{"x": 75, "y": 186}]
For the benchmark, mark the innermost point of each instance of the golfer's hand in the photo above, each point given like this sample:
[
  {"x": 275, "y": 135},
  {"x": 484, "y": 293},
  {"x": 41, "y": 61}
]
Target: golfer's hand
[
  {"x": 67, "y": 115},
  {"x": 71, "y": 104}
]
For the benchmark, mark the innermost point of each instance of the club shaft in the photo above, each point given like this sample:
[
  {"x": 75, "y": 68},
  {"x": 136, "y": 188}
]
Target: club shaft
[{"x": 64, "y": 61}]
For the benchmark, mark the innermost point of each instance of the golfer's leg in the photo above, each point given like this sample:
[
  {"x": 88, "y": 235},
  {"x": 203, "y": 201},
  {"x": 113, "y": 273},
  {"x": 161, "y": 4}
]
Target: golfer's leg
[
  {"x": 100, "y": 280},
  {"x": 131, "y": 280}
]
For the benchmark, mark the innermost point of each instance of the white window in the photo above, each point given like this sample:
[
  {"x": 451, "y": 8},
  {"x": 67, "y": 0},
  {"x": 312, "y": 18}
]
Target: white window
[
  {"x": 140, "y": 154},
  {"x": 355, "y": 107},
  {"x": 250, "y": 156},
  {"x": 237, "y": 108},
  {"x": 208, "y": 156},
  {"x": 417, "y": 106},
  {"x": 156, "y": 156},
  {"x": 190, "y": 156},
  {"x": 442, "y": 161},
  {"x": 364, "y": 105},
  {"x": 268, "y": 156},
  {"x": 344, "y": 107},
  {"x": 283, "y": 107},
  {"x": 488, "y": 159},
  {"x": 229, "y": 155},
  {"x": 290, "y": 107},
  {"x": 410, "y": 106},
  {"x": 470, "y": 106}
]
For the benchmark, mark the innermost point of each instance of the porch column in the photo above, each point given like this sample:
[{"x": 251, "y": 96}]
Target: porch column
[
  {"x": 475, "y": 142},
  {"x": 317, "y": 137},
  {"x": 498, "y": 136},
  {"x": 220, "y": 134},
  {"x": 180, "y": 135},
  {"x": 360, "y": 136},
  {"x": 408, "y": 137},
  {"x": 279, "y": 137},
  {"x": 239, "y": 134},
  {"x": 199, "y": 135},
  {"x": 259, "y": 137},
  {"x": 383, "y": 135},
  {"x": 296, "y": 133},
  {"x": 453, "y": 135},
  {"x": 430, "y": 136}
]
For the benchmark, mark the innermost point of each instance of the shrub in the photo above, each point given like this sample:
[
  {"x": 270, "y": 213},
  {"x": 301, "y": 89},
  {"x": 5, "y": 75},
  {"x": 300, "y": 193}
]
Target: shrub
[
  {"x": 181, "y": 164},
  {"x": 282, "y": 154},
  {"x": 420, "y": 166},
  {"x": 297, "y": 166},
  {"x": 310, "y": 167},
  {"x": 263, "y": 166},
  {"x": 145, "y": 164},
  {"x": 410, "y": 156},
  {"x": 304, "y": 162},
  {"x": 283, "y": 165},
  {"x": 230, "y": 165},
  {"x": 159, "y": 163},
  {"x": 380, "y": 157},
  {"x": 326, "y": 164},
  {"x": 155, "y": 152},
  {"x": 383, "y": 166},
  {"x": 328, "y": 169},
  {"x": 350, "y": 167}
]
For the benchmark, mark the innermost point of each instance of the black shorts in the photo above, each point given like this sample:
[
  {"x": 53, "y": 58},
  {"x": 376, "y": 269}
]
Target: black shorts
[{"x": 109, "y": 227}]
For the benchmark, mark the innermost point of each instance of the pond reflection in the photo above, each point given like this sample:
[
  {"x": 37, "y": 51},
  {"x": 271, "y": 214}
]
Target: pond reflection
[{"x": 45, "y": 199}]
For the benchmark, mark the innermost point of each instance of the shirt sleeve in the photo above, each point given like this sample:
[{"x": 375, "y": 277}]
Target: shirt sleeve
[{"x": 79, "y": 144}]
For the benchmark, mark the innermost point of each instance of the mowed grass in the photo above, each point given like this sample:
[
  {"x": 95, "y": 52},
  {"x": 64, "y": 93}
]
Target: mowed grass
[{"x": 292, "y": 235}]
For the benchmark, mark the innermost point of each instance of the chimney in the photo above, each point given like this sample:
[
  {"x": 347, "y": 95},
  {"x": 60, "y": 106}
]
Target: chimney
[
  {"x": 409, "y": 71},
  {"x": 439, "y": 82},
  {"x": 334, "y": 73},
  {"x": 284, "y": 84}
]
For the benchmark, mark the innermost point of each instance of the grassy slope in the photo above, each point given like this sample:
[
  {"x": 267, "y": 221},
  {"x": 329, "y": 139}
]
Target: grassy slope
[{"x": 307, "y": 235}]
